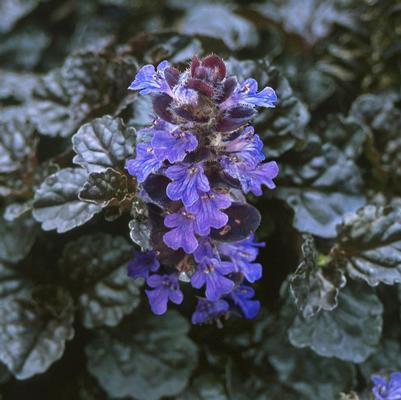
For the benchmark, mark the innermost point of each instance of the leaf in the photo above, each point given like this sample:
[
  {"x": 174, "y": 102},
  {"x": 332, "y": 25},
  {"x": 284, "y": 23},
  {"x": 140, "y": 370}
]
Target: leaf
[
  {"x": 385, "y": 360},
  {"x": 16, "y": 239},
  {"x": 13, "y": 10},
  {"x": 147, "y": 360},
  {"x": 347, "y": 134},
  {"x": 56, "y": 203},
  {"x": 139, "y": 226},
  {"x": 83, "y": 87},
  {"x": 16, "y": 144},
  {"x": 33, "y": 330},
  {"x": 204, "y": 387},
  {"x": 12, "y": 282},
  {"x": 207, "y": 19},
  {"x": 104, "y": 142},
  {"x": 369, "y": 242},
  {"x": 321, "y": 190},
  {"x": 95, "y": 266},
  {"x": 106, "y": 188},
  {"x": 17, "y": 86},
  {"x": 350, "y": 332},
  {"x": 311, "y": 19},
  {"x": 282, "y": 127},
  {"x": 315, "y": 287}
]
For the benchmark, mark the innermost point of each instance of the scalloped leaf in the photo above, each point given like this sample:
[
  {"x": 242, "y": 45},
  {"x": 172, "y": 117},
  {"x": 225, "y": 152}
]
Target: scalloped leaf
[
  {"x": 369, "y": 241},
  {"x": 146, "y": 360},
  {"x": 321, "y": 191},
  {"x": 56, "y": 203},
  {"x": 16, "y": 238},
  {"x": 95, "y": 266},
  {"x": 315, "y": 287},
  {"x": 105, "y": 142},
  {"x": 350, "y": 332},
  {"x": 34, "y": 329}
]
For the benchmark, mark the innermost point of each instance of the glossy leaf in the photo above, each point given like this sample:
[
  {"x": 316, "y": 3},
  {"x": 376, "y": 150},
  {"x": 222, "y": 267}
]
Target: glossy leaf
[
  {"x": 34, "y": 329},
  {"x": 104, "y": 142},
  {"x": 57, "y": 205},
  {"x": 321, "y": 190},
  {"x": 315, "y": 287},
  {"x": 350, "y": 332},
  {"x": 95, "y": 266},
  {"x": 147, "y": 361}
]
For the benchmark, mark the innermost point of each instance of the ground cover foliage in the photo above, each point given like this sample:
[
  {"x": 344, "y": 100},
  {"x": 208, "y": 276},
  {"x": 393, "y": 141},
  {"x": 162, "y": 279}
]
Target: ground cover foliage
[{"x": 74, "y": 326}]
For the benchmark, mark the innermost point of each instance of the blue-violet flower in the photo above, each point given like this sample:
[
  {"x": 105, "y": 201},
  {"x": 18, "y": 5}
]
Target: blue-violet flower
[{"x": 192, "y": 166}]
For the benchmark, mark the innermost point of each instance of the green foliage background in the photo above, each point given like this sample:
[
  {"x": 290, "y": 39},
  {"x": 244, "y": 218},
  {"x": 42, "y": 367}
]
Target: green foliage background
[{"x": 73, "y": 326}]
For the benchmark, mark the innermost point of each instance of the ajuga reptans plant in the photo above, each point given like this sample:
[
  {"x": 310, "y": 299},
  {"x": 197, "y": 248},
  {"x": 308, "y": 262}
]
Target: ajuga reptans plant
[{"x": 194, "y": 165}]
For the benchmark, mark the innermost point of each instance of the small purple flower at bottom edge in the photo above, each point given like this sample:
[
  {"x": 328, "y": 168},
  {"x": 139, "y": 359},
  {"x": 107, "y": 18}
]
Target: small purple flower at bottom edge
[
  {"x": 242, "y": 298},
  {"x": 387, "y": 390},
  {"x": 142, "y": 264},
  {"x": 165, "y": 288},
  {"x": 210, "y": 272},
  {"x": 209, "y": 311}
]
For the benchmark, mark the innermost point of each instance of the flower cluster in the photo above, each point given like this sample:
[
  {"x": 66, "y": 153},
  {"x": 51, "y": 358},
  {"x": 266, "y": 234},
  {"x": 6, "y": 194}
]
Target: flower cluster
[
  {"x": 387, "y": 390},
  {"x": 193, "y": 165}
]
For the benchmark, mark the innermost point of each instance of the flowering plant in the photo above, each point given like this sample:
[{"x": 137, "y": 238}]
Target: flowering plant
[{"x": 194, "y": 164}]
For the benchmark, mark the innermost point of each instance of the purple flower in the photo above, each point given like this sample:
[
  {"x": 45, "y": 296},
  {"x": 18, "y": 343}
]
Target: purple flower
[
  {"x": 242, "y": 298},
  {"x": 174, "y": 145},
  {"x": 208, "y": 311},
  {"x": 182, "y": 234},
  {"x": 384, "y": 390},
  {"x": 205, "y": 249},
  {"x": 241, "y": 255},
  {"x": 142, "y": 264},
  {"x": 165, "y": 288},
  {"x": 207, "y": 212},
  {"x": 148, "y": 80},
  {"x": 246, "y": 146},
  {"x": 252, "y": 178},
  {"x": 145, "y": 162},
  {"x": 188, "y": 182},
  {"x": 210, "y": 272},
  {"x": 248, "y": 93}
]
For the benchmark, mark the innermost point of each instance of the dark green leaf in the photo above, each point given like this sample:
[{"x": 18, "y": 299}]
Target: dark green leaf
[
  {"x": 370, "y": 242},
  {"x": 86, "y": 84},
  {"x": 312, "y": 20},
  {"x": 104, "y": 142},
  {"x": 153, "y": 359},
  {"x": 386, "y": 359},
  {"x": 13, "y": 10},
  {"x": 12, "y": 282},
  {"x": 16, "y": 239},
  {"x": 57, "y": 205},
  {"x": 206, "y": 19},
  {"x": 315, "y": 287},
  {"x": 106, "y": 188},
  {"x": 34, "y": 329},
  {"x": 347, "y": 134},
  {"x": 16, "y": 144},
  {"x": 206, "y": 387},
  {"x": 4, "y": 374},
  {"x": 17, "y": 86},
  {"x": 96, "y": 267},
  {"x": 139, "y": 226},
  {"x": 350, "y": 332},
  {"x": 321, "y": 190},
  {"x": 25, "y": 47}
]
